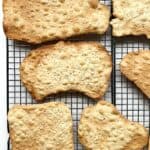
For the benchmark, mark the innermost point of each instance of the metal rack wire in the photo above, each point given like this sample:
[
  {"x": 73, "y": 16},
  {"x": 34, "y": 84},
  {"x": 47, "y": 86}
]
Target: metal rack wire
[
  {"x": 129, "y": 99},
  {"x": 122, "y": 93}
]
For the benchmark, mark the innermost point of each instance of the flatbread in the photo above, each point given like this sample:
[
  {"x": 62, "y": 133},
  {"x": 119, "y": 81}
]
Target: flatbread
[
  {"x": 136, "y": 67},
  {"x": 41, "y": 127},
  {"x": 78, "y": 66},
  {"x": 131, "y": 17},
  {"x": 37, "y": 21},
  {"x": 102, "y": 127}
]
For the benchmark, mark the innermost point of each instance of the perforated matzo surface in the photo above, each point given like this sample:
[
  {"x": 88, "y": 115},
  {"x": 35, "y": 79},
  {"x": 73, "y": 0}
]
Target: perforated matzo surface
[{"x": 128, "y": 99}]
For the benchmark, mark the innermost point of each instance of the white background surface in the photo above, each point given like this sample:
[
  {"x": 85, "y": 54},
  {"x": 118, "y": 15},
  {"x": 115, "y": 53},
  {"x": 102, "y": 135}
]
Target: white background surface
[{"x": 3, "y": 111}]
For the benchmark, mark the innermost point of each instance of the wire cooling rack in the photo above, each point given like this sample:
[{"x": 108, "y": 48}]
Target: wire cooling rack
[{"x": 122, "y": 93}]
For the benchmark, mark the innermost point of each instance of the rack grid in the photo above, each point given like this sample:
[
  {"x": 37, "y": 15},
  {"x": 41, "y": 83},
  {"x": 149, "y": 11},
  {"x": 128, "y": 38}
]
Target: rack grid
[{"x": 122, "y": 93}]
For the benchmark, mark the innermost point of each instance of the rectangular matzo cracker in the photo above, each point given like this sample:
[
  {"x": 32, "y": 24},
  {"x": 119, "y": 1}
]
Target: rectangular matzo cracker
[
  {"x": 132, "y": 17},
  {"x": 38, "y": 21},
  {"x": 41, "y": 127}
]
